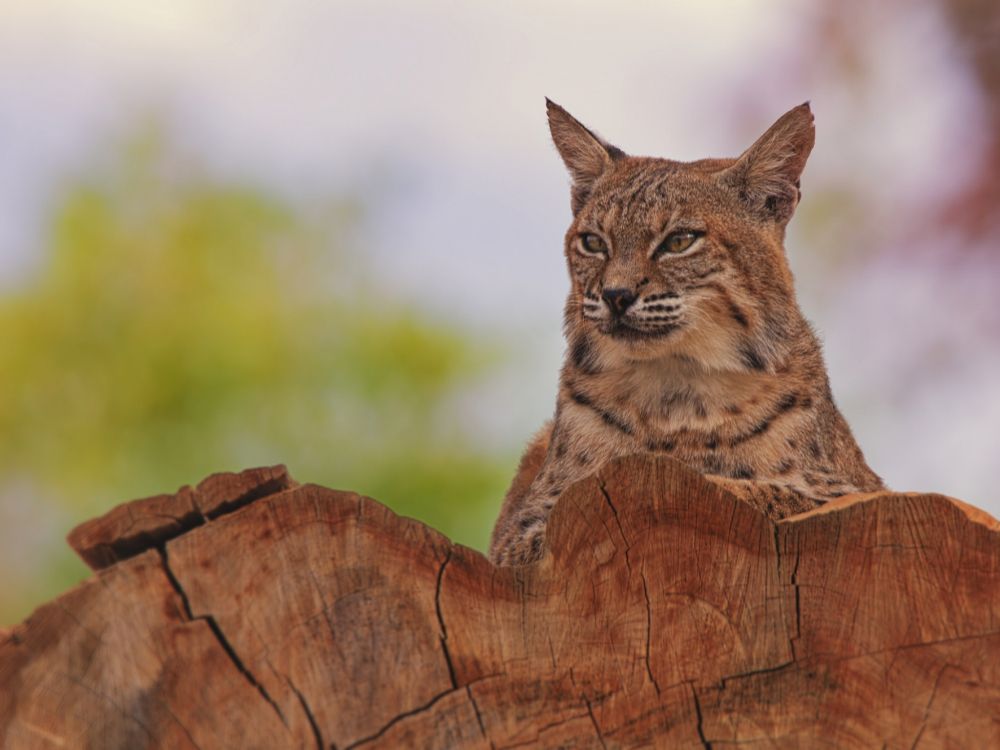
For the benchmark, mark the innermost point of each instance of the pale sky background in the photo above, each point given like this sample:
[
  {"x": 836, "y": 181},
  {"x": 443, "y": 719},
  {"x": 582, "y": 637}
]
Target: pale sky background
[{"x": 438, "y": 109}]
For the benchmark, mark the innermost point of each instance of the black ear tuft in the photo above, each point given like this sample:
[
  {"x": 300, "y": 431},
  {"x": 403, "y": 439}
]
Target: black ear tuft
[
  {"x": 585, "y": 155},
  {"x": 767, "y": 175}
]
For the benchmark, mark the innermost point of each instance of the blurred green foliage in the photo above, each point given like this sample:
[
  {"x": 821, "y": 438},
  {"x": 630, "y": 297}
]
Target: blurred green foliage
[{"x": 179, "y": 326}]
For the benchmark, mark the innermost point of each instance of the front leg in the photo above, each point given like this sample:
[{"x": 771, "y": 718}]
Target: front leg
[
  {"x": 557, "y": 458},
  {"x": 519, "y": 538}
]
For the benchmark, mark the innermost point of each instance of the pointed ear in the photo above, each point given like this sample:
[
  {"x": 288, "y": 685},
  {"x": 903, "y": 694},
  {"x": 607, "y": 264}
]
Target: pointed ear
[
  {"x": 586, "y": 156},
  {"x": 767, "y": 175}
]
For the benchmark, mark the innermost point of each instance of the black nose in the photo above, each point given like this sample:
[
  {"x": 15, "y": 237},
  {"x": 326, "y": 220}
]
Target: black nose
[{"x": 619, "y": 300}]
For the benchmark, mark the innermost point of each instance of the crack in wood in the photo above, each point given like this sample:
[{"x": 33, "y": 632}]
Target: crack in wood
[
  {"x": 440, "y": 617},
  {"x": 419, "y": 710},
  {"x": 755, "y": 672},
  {"x": 649, "y": 631},
  {"x": 479, "y": 717},
  {"x": 219, "y": 635},
  {"x": 621, "y": 530},
  {"x": 798, "y": 603},
  {"x": 268, "y": 488},
  {"x": 927, "y": 708},
  {"x": 700, "y": 725},
  {"x": 398, "y": 718},
  {"x": 314, "y": 725},
  {"x": 593, "y": 720},
  {"x": 147, "y": 523},
  {"x": 794, "y": 583}
]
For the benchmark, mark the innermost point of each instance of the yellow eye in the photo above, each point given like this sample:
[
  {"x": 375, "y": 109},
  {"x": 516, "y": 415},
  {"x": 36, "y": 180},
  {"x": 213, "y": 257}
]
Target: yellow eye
[
  {"x": 593, "y": 244},
  {"x": 677, "y": 242}
]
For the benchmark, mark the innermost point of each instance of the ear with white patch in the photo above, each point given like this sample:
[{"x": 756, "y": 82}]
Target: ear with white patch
[
  {"x": 586, "y": 156},
  {"x": 766, "y": 176}
]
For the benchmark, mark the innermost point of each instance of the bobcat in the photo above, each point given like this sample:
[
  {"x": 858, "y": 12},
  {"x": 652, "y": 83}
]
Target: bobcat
[{"x": 684, "y": 336}]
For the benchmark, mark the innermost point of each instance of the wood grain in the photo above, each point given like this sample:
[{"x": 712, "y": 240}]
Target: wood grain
[{"x": 665, "y": 614}]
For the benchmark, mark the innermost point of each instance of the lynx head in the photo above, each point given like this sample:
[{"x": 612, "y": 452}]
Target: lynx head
[{"x": 682, "y": 259}]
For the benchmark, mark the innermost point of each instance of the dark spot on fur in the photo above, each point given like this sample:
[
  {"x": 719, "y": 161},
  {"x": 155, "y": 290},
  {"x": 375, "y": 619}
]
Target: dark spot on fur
[
  {"x": 536, "y": 545},
  {"x": 814, "y": 449},
  {"x": 654, "y": 446},
  {"x": 758, "y": 429},
  {"x": 560, "y": 450},
  {"x": 528, "y": 521},
  {"x": 583, "y": 458},
  {"x": 609, "y": 418},
  {"x": 616, "y": 422},
  {"x": 784, "y": 467},
  {"x": 737, "y": 314},
  {"x": 555, "y": 493},
  {"x": 712, "y": 443},
  {"x": 752, "y": 359},
  {"x": 742, "y": 471},
  {"x": 583, "y": 357},
  {"x": 713, "y": 464},
  {"x": 791, "y": 443},
  {"x": 668, "y": 399},
  {"x": 807, "y": 402},
  {"x": 699, "y": 408},
  {"x": 788, "y": 402},
  {"x": 733, "y": 409}
]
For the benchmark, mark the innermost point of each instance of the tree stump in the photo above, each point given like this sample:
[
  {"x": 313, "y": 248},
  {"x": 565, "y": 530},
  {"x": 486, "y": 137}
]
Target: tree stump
[{"x": 253, "y": 612}]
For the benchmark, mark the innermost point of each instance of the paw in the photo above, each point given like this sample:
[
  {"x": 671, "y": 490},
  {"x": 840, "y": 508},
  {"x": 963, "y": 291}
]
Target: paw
[{"x": 523, "y": 549}]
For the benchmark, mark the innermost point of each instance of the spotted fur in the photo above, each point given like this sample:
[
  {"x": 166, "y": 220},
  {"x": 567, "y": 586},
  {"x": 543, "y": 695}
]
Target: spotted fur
[{"x": 702, "y": 355}]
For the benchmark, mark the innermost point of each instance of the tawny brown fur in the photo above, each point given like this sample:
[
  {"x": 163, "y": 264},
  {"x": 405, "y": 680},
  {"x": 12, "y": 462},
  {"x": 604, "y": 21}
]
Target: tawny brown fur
[{"x": 703, "y": 355}]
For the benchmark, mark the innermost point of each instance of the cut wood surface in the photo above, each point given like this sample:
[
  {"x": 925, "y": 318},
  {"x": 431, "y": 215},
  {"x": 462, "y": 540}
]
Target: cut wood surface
[{"x": 252, "y": 612}]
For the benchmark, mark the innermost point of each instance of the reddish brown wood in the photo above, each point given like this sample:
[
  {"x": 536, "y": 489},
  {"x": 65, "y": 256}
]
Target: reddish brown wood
[
  {"x": 130, "y": 528},
  {"x": 666, "y": 614}
]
